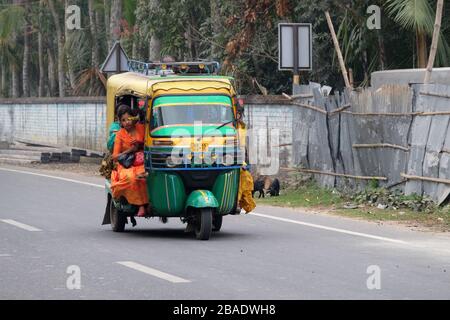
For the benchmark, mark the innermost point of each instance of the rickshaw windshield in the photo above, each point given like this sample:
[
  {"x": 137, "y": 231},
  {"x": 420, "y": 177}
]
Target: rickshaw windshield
[{"x": 176, "y": 110}]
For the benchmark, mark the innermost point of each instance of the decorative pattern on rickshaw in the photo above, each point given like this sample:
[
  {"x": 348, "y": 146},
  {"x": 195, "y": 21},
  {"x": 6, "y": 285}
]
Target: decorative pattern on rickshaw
[{"x": 158, "y": 160}]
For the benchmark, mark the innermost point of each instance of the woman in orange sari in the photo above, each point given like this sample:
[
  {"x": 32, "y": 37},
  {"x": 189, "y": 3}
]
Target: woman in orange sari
[{"x": 129, "y": 182}]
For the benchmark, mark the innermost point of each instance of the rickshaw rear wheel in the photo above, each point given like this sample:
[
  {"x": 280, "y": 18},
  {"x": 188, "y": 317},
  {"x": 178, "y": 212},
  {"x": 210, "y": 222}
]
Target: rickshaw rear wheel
[
  {"x": 118, "y": 220},
  {"x": 203, "y": 227},
  {"x": 217, "y": 222}
]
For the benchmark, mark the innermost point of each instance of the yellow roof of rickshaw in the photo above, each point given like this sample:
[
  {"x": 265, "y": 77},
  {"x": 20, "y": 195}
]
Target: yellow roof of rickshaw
[{"x": 140, "y": 84}]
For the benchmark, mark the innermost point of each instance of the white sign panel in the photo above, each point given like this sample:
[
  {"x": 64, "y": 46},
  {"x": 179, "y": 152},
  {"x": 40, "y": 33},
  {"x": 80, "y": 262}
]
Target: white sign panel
[
  {"x": 116, "y": 61},
  {"x": 288, "y": 47}
]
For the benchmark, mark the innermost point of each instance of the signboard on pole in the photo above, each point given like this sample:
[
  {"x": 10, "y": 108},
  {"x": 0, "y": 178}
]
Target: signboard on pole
[
  {"x": 116, "y": 61},
  {"x": 294, "y": 46}
]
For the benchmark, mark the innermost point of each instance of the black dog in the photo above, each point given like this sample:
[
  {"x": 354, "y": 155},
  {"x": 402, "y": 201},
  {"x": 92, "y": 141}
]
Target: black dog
[
  {"x": 274, "y": 189},
  {"x": 258, "y": 185}
]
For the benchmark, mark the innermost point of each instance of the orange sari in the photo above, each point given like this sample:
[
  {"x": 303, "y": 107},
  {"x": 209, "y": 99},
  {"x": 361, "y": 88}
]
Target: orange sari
[{"x": 124, "y": 182}]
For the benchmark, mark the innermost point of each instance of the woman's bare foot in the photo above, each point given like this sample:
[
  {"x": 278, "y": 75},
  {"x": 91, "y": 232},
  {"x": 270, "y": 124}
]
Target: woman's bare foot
[{"x": 141, "y": 212}]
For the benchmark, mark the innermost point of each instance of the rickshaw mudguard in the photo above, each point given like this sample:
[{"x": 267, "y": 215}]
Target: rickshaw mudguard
[
  {"x": 202, "y": 199},
  {"x": 226, "y": 189},
  {"x": 166, "y": 193}
]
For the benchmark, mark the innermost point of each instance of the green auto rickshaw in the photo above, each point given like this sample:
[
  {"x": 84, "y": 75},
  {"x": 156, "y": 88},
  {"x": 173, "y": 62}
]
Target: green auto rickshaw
[{"x": 194, "y": 155}]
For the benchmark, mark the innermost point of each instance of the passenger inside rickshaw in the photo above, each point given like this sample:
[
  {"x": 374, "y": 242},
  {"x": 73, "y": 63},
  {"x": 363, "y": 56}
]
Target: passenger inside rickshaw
[
  {"x": 128, "y": 178},
  {"x": 136, "y": 104}
]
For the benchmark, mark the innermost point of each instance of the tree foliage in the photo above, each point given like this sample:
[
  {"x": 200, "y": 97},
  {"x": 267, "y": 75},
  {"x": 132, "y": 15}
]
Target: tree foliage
[{"x": 241, "y": 34}]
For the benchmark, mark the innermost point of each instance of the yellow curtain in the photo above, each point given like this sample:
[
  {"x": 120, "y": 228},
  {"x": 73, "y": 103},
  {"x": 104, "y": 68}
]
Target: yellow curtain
[{"x": 245, "y": 198}]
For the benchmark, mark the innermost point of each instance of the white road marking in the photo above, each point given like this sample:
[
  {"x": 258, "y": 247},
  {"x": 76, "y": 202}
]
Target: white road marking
[
  {"x": 54, "y": 177},
  {"x": 318, "y": 226},
  {"x": 20, "y": 225},
  {"x": 153, "y": 272},
  {"x": 4, "y": 255}
]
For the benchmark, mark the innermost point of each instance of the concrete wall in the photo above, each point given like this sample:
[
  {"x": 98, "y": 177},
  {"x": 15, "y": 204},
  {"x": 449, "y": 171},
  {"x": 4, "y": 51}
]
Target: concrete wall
[
  {"x": 408, "y": 76},
  {"x": 75, "y": 122},
  {"x": 81, "y": 122},
  {"x": 267, "y": 116}
]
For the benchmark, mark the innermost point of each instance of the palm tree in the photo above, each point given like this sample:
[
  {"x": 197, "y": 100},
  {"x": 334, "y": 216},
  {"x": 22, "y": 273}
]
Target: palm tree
[
  {"x": 26, "y": 51},
  {"x": 418, "y": 16},
  {"x": 115, "y": 17},
  {"x": 11, "y": 23},
  {"x": 41, "y": 52},
  {"x": 61, "y": 42},
  {"x": 155, "y": 41}
]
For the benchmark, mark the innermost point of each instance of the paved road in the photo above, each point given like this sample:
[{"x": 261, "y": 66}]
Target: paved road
[{"x": 47, "y": 225}]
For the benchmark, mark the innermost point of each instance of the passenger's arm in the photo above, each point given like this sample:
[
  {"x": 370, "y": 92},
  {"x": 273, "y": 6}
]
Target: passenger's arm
[
  {"x": 117, "y": 153},
  {"x": 117, "y": 147}
]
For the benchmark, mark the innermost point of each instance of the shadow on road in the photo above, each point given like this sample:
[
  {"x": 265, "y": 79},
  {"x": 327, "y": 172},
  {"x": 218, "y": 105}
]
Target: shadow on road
[{"x": 166, "y": 233}]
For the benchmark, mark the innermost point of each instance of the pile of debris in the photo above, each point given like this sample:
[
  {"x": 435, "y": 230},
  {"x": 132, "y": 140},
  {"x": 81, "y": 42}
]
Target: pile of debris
[
  {"x": 382, "y": 198},
  {"x": 74, "y": 156},
  {"x": 23, "y": 153}
]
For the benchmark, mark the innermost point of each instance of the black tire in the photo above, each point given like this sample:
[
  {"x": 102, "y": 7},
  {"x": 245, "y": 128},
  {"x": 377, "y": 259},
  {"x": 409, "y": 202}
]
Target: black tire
[
  {"x": 204, "y": 225},
  {"x": 118, "y": 220},
  {"x": 217, "y": 222}
]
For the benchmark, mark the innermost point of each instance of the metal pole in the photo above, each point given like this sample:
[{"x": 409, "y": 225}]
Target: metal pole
[
  {"x": 118, "y": 64},
  {"x": 296, "y": 79}
]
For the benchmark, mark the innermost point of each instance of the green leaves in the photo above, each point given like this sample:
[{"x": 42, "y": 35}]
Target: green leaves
[
  {"x": 412, "y": 14},
  {"x": 12, "y": 19},
  {"x": 418, "y": 16}
]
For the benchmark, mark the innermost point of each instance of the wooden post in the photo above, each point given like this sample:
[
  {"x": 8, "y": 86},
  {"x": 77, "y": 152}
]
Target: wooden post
[
  {"x": 338, "y": 50},
  {"x": 350, "y": 76},
  {"x": 434, "y": 42}
]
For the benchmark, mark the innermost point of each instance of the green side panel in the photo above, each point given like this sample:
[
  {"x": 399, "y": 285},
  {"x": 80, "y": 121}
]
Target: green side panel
[
  {"x": 192, "y": 100},
  {"x": 225, "y": 190},
  {"x": 190, "y": 130},
  {"x": 166, "y": 193},
  {"x": 202, "y": 199}
]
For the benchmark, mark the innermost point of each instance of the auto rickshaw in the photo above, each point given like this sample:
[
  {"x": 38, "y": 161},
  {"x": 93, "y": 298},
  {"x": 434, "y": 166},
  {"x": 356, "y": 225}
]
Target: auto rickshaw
[{"x": 193, "y": 153}]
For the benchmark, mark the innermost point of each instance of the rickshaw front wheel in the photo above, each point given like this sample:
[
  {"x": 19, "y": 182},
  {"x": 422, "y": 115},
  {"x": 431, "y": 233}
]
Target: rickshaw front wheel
[
  {"x": 118, "y": 220},
  {"x": 203, "y": 226}
]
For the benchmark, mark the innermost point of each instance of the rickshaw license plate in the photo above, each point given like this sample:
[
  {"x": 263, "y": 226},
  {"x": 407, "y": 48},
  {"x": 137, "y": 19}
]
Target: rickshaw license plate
[{"x": 199, "y": 147}]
